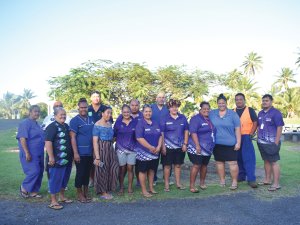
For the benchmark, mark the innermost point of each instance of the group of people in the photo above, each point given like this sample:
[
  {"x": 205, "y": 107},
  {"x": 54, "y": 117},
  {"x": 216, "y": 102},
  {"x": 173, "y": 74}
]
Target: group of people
[{"x": 105, "y": 151}]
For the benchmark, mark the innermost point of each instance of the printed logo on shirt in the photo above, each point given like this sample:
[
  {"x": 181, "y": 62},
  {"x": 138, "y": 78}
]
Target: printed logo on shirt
[
  {"x": 169, "y": 123},
  {"x": 268, "y": 119},
  {"x": 158, "y": 129},
  {"x": 147, "y": 129},
  {"x": 133, "y": 128},
  {"x": 204, "y": 124},
  {"x": 181, "y": 124}
]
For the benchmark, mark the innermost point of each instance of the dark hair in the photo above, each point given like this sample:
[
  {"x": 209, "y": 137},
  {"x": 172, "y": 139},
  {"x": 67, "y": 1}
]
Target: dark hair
[
  {"x": 135, "y": 100},
  {"x": 173, "y": 102},
  {"x": 105, "y": 107},
  {"x": 147, "y": 106},
  {"x": 82, "y": 100},
  {"x": 204, "y": 103},
  {"x": 95, "y": 92},
  {"x": 268, "y": 96},
  {"x": 240, "y": 94},
  {"x": 31, "y": 108},
  {"x": 57, "y": 110},
  {"x": 125, "y": 106},
  {"x": 221, "y": 96}
]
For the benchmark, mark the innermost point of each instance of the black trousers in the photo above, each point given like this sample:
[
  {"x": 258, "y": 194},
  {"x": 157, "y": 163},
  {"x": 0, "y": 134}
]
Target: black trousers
[{"x": 83, "y": 170}]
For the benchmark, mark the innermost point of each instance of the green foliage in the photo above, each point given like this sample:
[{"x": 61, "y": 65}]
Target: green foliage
[
  {"x": 252, "y": 64},
  {"x": 285, "y": 77},
  {"x": 44, "y": 109}
]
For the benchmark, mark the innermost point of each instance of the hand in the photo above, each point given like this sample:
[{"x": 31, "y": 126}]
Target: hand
[
  {"x": 184, "y": 148},
  {"x": 164, "y": 150},
  {"x": 27, "y": 156},
  {"x": 51, "y": 161},
  {"x": 237, "y": 147},
  {"x": 198, "y": 150},
  {"x": 152, "y": 149},
  {"x": 77, "y": 158},
  {"x": 97, "y": 162},
  {"x": 276, "y": 142},
  {"x": 157, "y": 150}
]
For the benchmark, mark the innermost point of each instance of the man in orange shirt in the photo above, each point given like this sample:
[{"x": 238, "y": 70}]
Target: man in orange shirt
[{"x": 246, "y": 155}]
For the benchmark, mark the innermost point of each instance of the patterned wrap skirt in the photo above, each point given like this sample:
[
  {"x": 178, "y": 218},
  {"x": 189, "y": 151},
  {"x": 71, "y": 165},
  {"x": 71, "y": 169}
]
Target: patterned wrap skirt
[{"x": 106, "y": 177}]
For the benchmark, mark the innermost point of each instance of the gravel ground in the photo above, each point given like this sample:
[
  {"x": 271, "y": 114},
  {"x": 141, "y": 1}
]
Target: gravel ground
[{"x": 240, "y": 208}]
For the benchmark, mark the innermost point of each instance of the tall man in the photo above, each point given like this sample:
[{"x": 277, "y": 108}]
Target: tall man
[
  {"x": 159, "y": 110},
  {"x": 94, "y": 110},
  {"x": 270, "y": 123},
  {"x": 246, "y": 155},
  {"x": 134, "y": 109}
]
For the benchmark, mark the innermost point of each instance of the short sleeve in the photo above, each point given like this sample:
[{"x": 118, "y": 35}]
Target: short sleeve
[
  {"x": 253, "y": 115},
  {"x": 236, "y": 120},
  {"x": 23, "y": 130},
  {"x": 162, "y": 125},
  {"x": 96, "y": 131},
  {"x": 186, "y": 124},
  {"x": 278, "y": 119},
  {"x": 139, "y": 130},
  {"x": 74, "y": 125},
  {"x": 51, "y": 131},
  {"x": 194, "y": 125}
]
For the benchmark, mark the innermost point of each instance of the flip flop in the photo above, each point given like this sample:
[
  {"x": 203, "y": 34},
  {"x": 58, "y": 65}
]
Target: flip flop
[
  {"x": 233, "y": 187},
  {"x": 66, "y": 201},
  {"x": 273, "y": 188},
  {"x": 181, "y": 187},
  {"x": 55, "y": 206},
  {"x": 263, "y": 183},
  {"x": 107, "y": 197},
  {"x": 81, "y": 201},
  {"x": 166, "y": 189},
  {"x": 203, "y": 187},
  {"x": 194, "y": 190},
  {"x": 23, "y": 194},
  {"x": 147, "y": 195},
  {"x": 222, "y": 185},
  {"x": 130, "y": 192},
  {"x": 153, "y": 192},
  {"x": 35, "y": 196}
]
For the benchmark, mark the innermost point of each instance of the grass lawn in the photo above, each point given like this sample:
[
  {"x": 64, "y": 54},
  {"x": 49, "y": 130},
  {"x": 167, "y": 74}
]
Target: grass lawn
[{"x": 11, "y": 176}]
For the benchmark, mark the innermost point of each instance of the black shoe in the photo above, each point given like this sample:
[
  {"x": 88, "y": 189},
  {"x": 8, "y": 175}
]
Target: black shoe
[{"x": 252, "y": 184}]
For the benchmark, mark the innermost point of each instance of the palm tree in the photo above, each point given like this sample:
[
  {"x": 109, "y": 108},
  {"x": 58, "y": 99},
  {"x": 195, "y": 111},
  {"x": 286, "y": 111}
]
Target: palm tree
[
  {"x": 298, "y": 59},
  {"x": 7, "y": 105},
  {"x": 252, "y": 64},
  {"x": 290, "y": 102},
  {"x": 23, "y": 102},
  {"x": 285, "y": 77}
]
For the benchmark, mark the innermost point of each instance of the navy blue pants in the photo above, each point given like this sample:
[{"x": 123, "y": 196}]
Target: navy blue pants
[{"x": 246, "y": 159}]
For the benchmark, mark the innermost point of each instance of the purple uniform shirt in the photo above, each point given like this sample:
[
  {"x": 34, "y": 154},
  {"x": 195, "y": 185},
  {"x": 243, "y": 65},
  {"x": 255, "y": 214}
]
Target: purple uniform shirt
[
  {"x": 151, "y": 133},
  {"x": 35, "y": 137},
  {"x": 125, "y": 135},
  {"x": 206, "y": 133},
  {"x": 174, "y": 130},
  {"x": 267, "y": 125}
]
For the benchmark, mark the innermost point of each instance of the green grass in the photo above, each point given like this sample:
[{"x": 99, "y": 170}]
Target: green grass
[{"x": 11, "y": 176}]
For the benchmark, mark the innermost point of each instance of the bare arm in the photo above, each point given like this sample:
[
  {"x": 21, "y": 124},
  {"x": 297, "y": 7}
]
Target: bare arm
[
  {"x": 23, "y": 142},
  {"x": 145, "y": 143},
  {"x": 74, "y": 147},
  {"x": 160, "y": 141},
  {"x": 96, "y": 150},
  {"x": 49, "y": 149},
  {"x": 238, "y": 138},
  {"x": 185, "y": 141},
  {"x": 278, "y": 135},
  {"x": 254, "y": 128},
  {"x": 163, "y": 147},
  {"x": 196, "y": 141}
]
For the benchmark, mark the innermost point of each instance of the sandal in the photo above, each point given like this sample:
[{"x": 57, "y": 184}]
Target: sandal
[
  {"x": 194, "y": 190},
  {"x": 148, "y": 195},
  {"x": 233, "y": 187},
  {"x": 153, "y": 192},
  {"x": 35, "y": 196},
  {"x": 263, "y": 183},
  {"x": 274, "y": 188},
  {"x": 107, "y": 197},
  {"x": 203, "y": 187},
  {"x": 82, "y": 200},
  {"x": 181, "y": 187},
  {"x": 55, "y": 206},
  {"x": 24, "y": 194},
  {"x": 167, "y": 189},
  {"x": 65, "y": 200},
  {"x": 222, "y": 184}
]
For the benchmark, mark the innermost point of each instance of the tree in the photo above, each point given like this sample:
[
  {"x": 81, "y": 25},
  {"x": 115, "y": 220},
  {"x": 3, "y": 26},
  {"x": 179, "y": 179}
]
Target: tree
[
  {"x": 285, "y": 77},
  {"x": 252, "y": 64},
  {"x": 298, "y": 59},
  {"x": 44, "y": 109},
  {"x": 7, "y": 105},
  {"x": 23, "y": 102}
]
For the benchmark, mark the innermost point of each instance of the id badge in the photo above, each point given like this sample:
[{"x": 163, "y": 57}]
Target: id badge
[{"x": 262, "y": 126}]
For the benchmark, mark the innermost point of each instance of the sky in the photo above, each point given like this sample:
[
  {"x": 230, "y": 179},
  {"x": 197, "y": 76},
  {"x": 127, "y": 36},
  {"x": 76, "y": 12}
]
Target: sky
[{"x": 42, "y": 39}]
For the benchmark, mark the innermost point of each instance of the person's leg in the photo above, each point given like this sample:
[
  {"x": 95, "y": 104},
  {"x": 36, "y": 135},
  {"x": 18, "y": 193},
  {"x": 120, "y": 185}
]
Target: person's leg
[
  {"x": 87, "y": 171},
  {"x": 221, "y": 172},
  {"x": 80, "y": 167},
  {"x": 268, "y": 172},
  {"x": 130, "y": 177},
  {"x": 203, "y": 172},
  {"x": 193, "y": 174},
  {"x": 248, "y": 157},
  {"x": 66, "y": 178},
  {"x": 56, "y": 176},
  {"x": 240, "y": 161},
  {"x": 142, "y": 179},
  {"x": 167, "y": 169},
  {"x": 177, "y": 170},
  {"x": 39, "y": 180},
  {"x": 276, "y": 173},
  {"x": 234, "y": 171},
  {"x": 122, "y": 170},
  {"x": 150, "y": 181}
]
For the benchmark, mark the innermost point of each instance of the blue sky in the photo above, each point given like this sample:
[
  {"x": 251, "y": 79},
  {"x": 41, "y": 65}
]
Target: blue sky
[{"x": 40, "y": 39}]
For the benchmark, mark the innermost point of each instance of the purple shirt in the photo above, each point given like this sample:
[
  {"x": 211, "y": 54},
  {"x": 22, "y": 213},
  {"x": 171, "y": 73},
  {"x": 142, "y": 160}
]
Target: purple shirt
[
  {"x": 267, "y": 125},
  {"x": 174, "y": 130},
  {"x": 151, "y": 133},
  {"x": 158, "y": 114},
  {"x": 125, "y": 135},
  {"x": 206, "y": 133},
  {"x": 34, "y": 135}
]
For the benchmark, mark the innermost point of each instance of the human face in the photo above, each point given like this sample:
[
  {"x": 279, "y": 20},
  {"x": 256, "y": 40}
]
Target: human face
[
  {"x": 126, "y": 113},
  {"x": 83, "y": 109},
  {"x": 240, "y": 101},
  {"x": 222, "y": 105},
  {"x": 160, "y": 99},
  {"x": 147, "y": 113},
  {"x": 61, "y": 116},
  {"x": 205, "y": 109},
  {"x": 95, "y": 98},
  {"x": 135, "y": 107},
  {"x": 266, "y": 103},
  {"x": 173, "y": 110},
  {"x": 34, "y": 114},
  {"x": 106, "y": 115}
]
